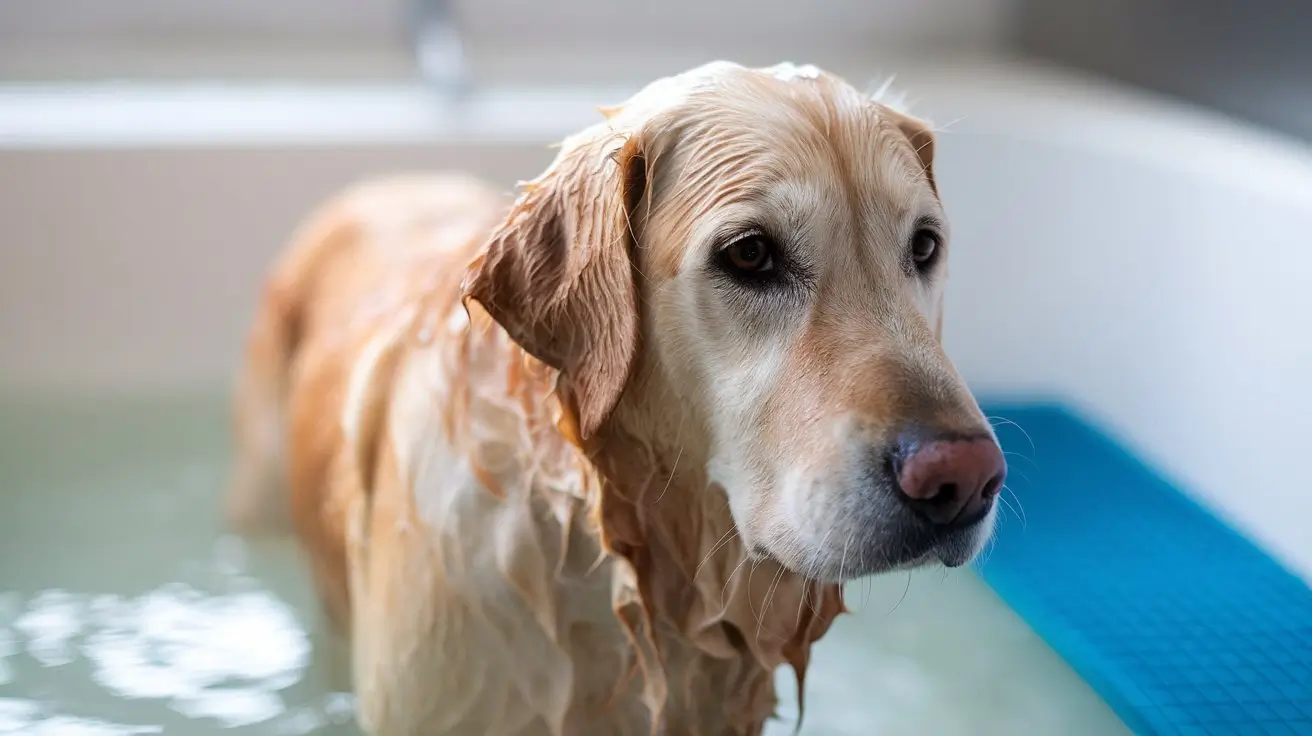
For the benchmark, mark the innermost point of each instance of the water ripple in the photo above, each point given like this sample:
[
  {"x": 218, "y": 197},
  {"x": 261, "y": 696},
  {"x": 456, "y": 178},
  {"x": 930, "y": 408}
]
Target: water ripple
[
  {"x": 30, "y": 719},
  {"x": 220, "y": 657}
]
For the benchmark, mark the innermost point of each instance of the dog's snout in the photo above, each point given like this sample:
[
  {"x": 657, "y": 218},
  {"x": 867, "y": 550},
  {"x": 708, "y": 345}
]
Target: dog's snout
[{"x": 949, "y": 481}]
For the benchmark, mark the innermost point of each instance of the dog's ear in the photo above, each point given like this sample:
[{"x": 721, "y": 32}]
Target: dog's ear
[
  {"x": 921, "y": 136},
  {"x": 558, "y": 275}
]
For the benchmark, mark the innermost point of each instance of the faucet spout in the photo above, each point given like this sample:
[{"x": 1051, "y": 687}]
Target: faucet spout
[{"x": 439, "y": 53}]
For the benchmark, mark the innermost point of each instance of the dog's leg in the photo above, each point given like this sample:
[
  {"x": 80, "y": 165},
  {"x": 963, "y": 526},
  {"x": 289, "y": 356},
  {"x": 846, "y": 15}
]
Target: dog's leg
[
  {"x": 395, "y": 656},
  {"x": 257, "y": 499}
]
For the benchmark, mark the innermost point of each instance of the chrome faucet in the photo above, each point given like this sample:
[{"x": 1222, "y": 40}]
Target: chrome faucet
[{"x": 439, "y": 54}]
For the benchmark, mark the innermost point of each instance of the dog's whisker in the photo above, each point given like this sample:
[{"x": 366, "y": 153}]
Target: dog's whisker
[
  {"x": 842, "y": 561},
  {"x": 904, "y": 595},
  {"x": 724, "y": 539},
  {"x": 988, "y": 550},
  {"x": 1005, "y": 506},
  {"x": 1018, "y": 508},
  {"x": 1020, "y": 456},
  {"x": 769, "y": 598},
  {"x": 1003, "y": 421},
  {"x": 724, "y": 591},
  {"x": 803, "y": 601},
  {"x": 815, "y": 611},
  {"x": 750, "y": 572},
  {"x": 670, "y": 480}
]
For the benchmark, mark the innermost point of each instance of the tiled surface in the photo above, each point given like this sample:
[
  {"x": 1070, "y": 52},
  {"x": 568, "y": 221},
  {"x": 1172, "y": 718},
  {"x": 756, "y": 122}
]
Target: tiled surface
[{"x": 1181, "y": 624}]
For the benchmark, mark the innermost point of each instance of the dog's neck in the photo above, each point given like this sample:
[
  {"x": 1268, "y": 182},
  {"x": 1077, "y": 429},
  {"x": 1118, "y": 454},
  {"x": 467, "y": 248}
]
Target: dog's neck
[
  {"x": 709, "y": 623},
  {"x": 696, "y": 590}
]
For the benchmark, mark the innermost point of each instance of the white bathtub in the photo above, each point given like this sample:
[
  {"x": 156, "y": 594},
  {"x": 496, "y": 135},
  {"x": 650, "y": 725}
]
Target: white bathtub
[
  {"x": 1137, "y": 259},
  {"x": 1142, "y": 260}
]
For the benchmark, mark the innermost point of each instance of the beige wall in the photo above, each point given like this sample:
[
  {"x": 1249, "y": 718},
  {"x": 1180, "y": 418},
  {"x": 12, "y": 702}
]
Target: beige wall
[{"x": 352, "y": 38}]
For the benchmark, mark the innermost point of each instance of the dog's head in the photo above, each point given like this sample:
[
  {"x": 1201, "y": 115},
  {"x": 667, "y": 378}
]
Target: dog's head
[{"x": 763, "y": 254}]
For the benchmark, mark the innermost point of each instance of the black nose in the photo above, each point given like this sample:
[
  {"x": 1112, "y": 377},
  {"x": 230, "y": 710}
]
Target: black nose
[{"x": 949, "y": 480}]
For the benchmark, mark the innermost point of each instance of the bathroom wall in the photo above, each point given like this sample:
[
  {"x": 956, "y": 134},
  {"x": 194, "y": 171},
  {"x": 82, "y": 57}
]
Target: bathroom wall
[
  {"x": 1252, "y": 60},
  {"x": 556, "y": 41}
]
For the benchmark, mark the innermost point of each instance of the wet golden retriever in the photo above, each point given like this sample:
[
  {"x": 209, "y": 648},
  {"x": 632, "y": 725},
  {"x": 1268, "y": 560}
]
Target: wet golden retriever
[{"x": 597, "y": 461}]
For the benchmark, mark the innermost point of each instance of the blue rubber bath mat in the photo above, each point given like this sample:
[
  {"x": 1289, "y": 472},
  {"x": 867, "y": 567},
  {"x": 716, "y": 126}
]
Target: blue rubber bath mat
[{"x": 1180, "y": 623}]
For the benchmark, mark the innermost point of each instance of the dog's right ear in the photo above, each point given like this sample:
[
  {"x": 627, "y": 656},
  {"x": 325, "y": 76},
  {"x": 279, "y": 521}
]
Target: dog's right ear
[{"x": 558, "y": 274}]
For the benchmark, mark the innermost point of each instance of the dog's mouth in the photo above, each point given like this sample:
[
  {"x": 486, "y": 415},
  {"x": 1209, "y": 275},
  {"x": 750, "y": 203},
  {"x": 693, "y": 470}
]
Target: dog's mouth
[
  {"x": 958, "y": 545},
  {"x": 891, "y": 537},
  {"x": 956, "y": 552},
  {"x": 909, "y": 543},
  {"x": 955, "y": 545}
]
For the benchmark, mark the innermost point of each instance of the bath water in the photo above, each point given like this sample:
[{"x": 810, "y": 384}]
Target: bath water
[{"x": 126, "y": 609}]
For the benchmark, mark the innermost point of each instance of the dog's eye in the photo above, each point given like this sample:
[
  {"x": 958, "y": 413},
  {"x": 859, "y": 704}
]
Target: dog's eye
[
  {"x": 752, "y": 254},
  {"x": 924, "y": 248}
]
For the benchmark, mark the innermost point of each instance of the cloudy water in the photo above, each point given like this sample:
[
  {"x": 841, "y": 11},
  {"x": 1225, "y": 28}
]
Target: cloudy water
[{"x": 125, "y": 608}]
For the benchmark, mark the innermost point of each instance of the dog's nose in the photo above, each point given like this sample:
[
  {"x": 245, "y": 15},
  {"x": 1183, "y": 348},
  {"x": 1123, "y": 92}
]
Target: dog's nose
[{"x": 950, "y": 481}]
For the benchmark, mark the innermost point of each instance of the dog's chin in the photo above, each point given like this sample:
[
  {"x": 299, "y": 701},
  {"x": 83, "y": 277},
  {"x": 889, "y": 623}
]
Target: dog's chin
[
  {"x": 955, "y": 555},
  {"x": 820, "y": 568},
  {"x": 892, "y": 554},
  {"x": 961, "y": 548}
]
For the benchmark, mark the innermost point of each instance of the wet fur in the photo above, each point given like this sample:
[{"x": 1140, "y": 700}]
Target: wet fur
[{"x": 522, "y": 489}]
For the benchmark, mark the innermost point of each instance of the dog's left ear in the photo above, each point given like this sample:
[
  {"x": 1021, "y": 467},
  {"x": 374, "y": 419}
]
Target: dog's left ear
[
  {"x": 558, "y": 275},
  {"x": 921, "y": 137}
]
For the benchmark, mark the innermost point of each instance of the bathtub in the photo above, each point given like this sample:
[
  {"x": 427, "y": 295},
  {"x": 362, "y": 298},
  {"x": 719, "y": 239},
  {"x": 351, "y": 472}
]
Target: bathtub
[{"x": 1136, "y": 259}]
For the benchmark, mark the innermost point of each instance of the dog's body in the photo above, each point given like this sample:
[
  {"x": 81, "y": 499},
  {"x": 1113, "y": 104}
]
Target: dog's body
[
  {"x": 448, "y": 522},
  {"x": 521, "y": 489}
]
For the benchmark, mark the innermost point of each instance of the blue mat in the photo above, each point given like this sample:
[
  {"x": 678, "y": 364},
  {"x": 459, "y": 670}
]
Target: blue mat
[{"x": 1180, "y": 623}]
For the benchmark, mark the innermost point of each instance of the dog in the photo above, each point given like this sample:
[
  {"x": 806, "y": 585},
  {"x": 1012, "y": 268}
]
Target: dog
[{"x": 598, "y": 460}]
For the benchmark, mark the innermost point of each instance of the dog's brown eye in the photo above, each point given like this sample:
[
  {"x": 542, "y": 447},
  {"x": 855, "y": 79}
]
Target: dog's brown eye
[
  {"x": 752, "y": 254},
  {"x": 924, "y": 246}
]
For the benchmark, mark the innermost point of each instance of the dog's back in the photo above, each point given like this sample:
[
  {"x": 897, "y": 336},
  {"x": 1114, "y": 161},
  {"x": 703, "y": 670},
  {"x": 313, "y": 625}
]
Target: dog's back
[
  {"x": 351, "y": 401},
  {"x": 316, "y": 356}
]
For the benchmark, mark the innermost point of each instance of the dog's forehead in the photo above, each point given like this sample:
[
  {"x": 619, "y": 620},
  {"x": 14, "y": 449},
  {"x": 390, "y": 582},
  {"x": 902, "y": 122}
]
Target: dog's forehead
[
  {"x": 788, "y": 139},
  {"x": 788, "y": 124},
  {"x": 670, "y": 92}
]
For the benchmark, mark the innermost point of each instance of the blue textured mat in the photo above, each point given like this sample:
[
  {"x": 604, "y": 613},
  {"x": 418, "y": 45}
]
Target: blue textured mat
[{"x": 1181, "y": 624}]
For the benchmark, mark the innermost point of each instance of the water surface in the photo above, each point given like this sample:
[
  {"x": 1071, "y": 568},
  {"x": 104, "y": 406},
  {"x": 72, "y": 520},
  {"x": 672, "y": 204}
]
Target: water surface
[{"x": 126, "y": 609}]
